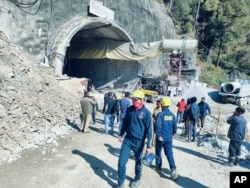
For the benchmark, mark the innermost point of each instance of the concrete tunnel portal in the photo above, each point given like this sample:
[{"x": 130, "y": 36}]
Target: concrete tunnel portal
[{"x": 100, "y": 72}]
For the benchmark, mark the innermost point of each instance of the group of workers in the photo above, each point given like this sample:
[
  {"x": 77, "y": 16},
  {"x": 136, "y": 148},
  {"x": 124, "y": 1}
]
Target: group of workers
[
  {"x": 137, "y": 130},
  {"x": 137, "y": 127}
]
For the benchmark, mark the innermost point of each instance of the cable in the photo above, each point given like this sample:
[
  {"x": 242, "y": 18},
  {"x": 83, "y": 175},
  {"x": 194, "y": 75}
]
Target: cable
[
  {"x": 23, "y": 6},
  {"x": 50, "y": 21}
]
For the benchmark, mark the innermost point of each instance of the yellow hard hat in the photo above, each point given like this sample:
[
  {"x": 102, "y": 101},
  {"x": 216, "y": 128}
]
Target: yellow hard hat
[
  {"x": 118, "y": 97},
  {"x": 165, "y": 101},
  {"x": 91, "y": 94},
  {"x": 138, "y": 94}
]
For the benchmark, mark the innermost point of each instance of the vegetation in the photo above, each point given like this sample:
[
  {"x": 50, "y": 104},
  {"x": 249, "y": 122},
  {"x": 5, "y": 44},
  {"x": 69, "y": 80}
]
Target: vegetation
[
  {"x": 213, "y": 75},
  {"x": 222, "y": 29}
]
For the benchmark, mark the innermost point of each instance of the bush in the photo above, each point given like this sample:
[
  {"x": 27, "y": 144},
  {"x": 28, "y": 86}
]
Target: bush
[{"x": 212, "y": 75}]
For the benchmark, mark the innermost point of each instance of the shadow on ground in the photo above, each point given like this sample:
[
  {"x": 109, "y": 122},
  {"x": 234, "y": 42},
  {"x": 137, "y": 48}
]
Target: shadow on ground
[
  {"x": 198, "y": 154},
  {"x": 73, "y": 124},
  {"x": 100, "y": 168},
  {"x": 182, "y": 180}
]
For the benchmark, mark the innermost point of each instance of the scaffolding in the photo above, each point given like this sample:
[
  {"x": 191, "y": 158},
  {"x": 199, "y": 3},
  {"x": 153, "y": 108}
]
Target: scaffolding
[{"x": 174, "y": 67}]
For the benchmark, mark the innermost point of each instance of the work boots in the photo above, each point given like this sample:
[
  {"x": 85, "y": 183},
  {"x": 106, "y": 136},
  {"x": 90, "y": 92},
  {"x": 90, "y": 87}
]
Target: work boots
[
  {"x": 236, "y": 161},
  {"x": 230, "y": 161}
]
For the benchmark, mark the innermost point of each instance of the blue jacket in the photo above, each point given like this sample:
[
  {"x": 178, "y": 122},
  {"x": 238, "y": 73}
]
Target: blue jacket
[
  {"x": 193, "y": 112},
  {"x": 204, "y": 109},
  {"x": 237, "y": 129},
  {"x": 124, "y": 104},
  {"x": 166, "y": 124},
  {"x": 137, "y": 124},
  {"x": 109, "y": 106}
]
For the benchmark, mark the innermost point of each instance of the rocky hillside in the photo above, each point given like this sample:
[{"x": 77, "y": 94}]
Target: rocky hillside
[{"x": 34, "y": 108}]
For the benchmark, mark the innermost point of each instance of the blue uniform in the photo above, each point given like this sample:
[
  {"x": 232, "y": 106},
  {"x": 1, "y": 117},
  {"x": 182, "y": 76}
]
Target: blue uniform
[
  {"x": 204, "y": 111},
  {"x": 165, "y": 128},
  {"x": 236, "y": 133},
  {"x": 124, "y": 105},
  {"x": 137, "y": 125},
  {"x": 193, "y": 115}
]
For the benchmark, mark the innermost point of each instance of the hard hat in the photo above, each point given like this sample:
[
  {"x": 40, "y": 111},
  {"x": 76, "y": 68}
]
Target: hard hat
[
  {"x": 148, "y": 159},
  {"x": 138, "y": 94},
  {"x": 91, "y": 94},
  {"x": 165, "y": 101}
]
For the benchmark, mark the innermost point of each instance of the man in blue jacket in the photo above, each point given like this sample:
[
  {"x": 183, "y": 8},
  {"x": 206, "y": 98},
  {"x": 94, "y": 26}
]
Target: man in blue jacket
[
  {"x": 125, "y": 103},
  {"x": 165, "y": 129},
  {"x": 109, "y": 110},
  {"x": 193, "y": 115},
  {"x": 236, "y": 134},
  {"x": 204, "y": 111},
  {"x": 137, "y": 125}
]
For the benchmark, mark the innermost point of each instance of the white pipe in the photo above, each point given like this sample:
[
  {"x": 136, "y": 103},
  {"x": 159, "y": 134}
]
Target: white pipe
[{"x": 184, "y": 45}]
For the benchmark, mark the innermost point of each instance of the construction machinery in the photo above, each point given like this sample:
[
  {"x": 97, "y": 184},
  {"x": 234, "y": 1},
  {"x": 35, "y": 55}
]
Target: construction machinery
[
  {"x": 237, "y": 92},
  {"x": 153, "y": 87}
]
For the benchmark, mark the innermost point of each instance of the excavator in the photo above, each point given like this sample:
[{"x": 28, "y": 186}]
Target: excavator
[{"x": 153, "y": 87}]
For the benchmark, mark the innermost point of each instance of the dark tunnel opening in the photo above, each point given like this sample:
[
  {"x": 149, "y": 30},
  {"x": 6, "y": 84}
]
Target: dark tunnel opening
[{"x": 100, "y": 72}]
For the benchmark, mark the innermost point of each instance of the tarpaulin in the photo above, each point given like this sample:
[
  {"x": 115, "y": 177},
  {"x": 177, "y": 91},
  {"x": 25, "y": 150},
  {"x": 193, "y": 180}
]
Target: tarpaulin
[{"x": 129, "y": 51}]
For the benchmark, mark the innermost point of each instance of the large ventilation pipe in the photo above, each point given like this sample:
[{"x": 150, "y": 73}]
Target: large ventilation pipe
[{"x": 231, "y": 87}]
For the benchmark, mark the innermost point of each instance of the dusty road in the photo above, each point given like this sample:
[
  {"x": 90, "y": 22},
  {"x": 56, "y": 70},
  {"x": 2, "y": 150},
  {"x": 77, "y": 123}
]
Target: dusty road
[{"x": 90, "y": 161}]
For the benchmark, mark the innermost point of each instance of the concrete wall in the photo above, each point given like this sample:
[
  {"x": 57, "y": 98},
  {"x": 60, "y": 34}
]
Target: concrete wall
[{"x": 143, "y": 20}]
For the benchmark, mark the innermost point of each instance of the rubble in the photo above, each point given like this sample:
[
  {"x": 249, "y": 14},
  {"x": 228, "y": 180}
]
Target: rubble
[{"x": 34, "y": 106}]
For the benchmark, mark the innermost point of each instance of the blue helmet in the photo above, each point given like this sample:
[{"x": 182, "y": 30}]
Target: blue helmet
[{"x": 148, "y": 159}]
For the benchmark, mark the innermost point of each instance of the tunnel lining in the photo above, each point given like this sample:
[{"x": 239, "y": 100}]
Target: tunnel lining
[{"x": 62, "y": 41}]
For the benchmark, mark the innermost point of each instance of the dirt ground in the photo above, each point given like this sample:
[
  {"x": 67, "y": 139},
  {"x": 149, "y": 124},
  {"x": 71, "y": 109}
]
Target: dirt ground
[{"x": 90, "y": 160}]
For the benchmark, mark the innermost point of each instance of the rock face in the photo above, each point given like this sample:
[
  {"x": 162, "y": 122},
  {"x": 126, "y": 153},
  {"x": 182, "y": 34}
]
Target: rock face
[
  {"x": 143, "y": 20},
  {"x": 34, "y": 109}
]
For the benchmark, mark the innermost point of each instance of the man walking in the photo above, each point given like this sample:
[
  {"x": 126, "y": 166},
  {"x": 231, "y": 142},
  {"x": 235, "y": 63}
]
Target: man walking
[
  {"x": 165, "y": 129},
  {"x": 87, "y": 105},
  {"x": 204, "y": 111},
  {"x": 109, "y": 110},
  {"x": 193, "y": 114},
  {"x": 125, "y": 103},
  {"x": 181, "y": 108},
  {"x": 236, "y": 134},
  {"x": 137, "y": 124}
]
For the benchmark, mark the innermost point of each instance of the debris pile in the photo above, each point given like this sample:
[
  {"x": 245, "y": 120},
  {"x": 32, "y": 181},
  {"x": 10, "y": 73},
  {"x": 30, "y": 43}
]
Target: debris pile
[{"x": 34, "y": 108}]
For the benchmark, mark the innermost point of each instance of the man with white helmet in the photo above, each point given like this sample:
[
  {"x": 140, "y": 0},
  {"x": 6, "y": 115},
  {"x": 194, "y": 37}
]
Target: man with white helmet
[
  {"x": 165, "y": 129},
  {"x": 137, "y": 125}
]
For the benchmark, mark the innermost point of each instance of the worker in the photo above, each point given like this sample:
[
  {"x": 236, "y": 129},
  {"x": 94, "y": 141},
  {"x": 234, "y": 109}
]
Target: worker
[
  {"x": 117, "y": 103},
  {"x": 95, "y": 107},
  {"x": 204, "y": 111},
  {"x": 109, "y": 110},
  {"x": 193, "y": 115},
  {"x": 87, "y": 105},
  {"x": 137, "y": 124},
  {"x": 125, "y": 103},
  {"x": 165, "y": 129},
  {"x": 156, "y": 111},
  {"x": 236, "y": 134},
  {"x": 181, "y": 108}
]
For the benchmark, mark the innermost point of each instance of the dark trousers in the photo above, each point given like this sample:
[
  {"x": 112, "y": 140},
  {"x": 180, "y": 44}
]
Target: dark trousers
[
  {"x": 168, "y": 150},
  {"x": 234, "y": 148},
  {"x": 136, "y": 146},
  {"x": 201, "y": 121},
  {"x": 93, "y": 117}
]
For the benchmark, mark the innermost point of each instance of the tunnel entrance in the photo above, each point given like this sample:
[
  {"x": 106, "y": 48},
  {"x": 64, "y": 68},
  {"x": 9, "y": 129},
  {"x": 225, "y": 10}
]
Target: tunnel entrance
[{"x": 100, "y": 72}]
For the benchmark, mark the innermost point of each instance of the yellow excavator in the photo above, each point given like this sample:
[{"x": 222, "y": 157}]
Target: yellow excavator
[
  {"x": 153, "y": 87},
  {"x": 150, "y": 96}
]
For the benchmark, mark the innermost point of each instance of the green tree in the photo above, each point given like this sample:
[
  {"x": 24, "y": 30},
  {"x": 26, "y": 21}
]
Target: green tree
[{"x": 223, "y": 28}]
